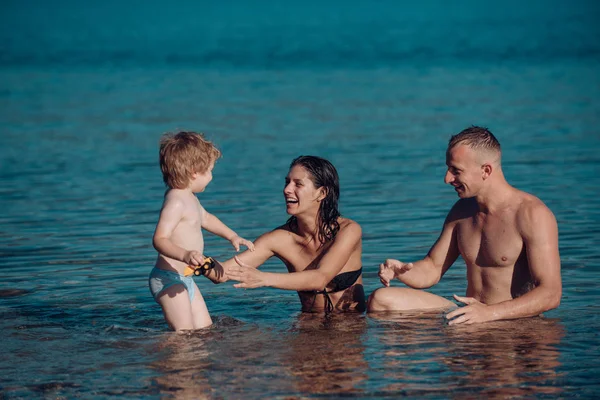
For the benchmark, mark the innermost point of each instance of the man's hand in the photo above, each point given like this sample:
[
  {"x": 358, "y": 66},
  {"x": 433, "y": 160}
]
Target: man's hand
[
  {"x": 248, "y": 277},
  {"x": 237, "y": 241},
  {"x": 390, "y": 270},
  {"x": 193, "y": 258},
  {"x": 473, "y": 313}
]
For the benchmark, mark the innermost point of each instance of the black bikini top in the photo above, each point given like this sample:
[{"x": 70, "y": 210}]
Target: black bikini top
[
  {"x": 339, "y": 282},
  {"x": 344, "y": 280}
]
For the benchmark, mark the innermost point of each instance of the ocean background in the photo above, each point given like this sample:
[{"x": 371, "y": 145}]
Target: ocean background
[{"x": 87, "y": 89}]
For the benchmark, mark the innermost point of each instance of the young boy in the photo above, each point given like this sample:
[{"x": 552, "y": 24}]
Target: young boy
[{"x": 186, "y": 162}]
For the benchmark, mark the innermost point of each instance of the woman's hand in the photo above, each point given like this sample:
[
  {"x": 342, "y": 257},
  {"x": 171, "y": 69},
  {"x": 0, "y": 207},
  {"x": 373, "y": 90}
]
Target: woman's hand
[{"x": 248, "y": 277}]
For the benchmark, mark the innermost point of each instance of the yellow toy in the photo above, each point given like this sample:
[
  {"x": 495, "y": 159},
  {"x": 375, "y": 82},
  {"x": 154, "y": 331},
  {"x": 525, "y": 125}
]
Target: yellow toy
[{"x": 201, "y": 269}]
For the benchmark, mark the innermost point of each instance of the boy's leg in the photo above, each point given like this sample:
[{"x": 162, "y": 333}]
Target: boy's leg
[
  {"x": 200, "y": 315},
  {"x": 175, "y": 303}
]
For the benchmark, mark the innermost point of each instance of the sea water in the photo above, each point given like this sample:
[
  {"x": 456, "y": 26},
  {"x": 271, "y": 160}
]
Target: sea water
[{"x": 86, "y": 90}]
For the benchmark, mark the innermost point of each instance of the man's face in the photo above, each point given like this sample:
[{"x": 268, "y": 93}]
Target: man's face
[{"x": 464, "y": 172}]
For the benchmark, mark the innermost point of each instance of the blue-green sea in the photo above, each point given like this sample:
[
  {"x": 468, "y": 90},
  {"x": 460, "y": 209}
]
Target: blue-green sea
[{"x": 87, "y": 89}]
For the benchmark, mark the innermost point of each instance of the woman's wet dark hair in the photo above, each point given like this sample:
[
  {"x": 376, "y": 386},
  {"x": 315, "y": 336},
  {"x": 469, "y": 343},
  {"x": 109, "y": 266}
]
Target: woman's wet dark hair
[{"x": 323, "y": 174}]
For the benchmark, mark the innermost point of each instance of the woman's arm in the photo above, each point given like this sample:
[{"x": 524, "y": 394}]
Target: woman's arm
[
  {"x": 330, "y": 265},
  {"x": 263, "y": 250}
]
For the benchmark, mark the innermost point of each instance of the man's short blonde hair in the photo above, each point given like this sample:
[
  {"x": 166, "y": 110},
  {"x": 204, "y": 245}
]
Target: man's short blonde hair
[
  {"x": 182, "y": 155},
  {"x": 479, "y": 139}
]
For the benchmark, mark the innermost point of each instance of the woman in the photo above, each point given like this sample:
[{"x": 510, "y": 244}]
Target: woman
[{"x": 321, "y": 249}]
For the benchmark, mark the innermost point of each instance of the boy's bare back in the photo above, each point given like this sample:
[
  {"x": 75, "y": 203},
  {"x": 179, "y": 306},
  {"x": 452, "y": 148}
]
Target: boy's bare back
[{"x": 182, "y": 215}]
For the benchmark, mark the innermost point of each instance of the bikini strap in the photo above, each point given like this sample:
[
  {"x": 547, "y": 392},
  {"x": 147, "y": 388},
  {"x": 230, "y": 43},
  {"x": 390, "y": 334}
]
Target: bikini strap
[
  {"x": 340, "y": 282},
  {"x": 328, "y": 302}
]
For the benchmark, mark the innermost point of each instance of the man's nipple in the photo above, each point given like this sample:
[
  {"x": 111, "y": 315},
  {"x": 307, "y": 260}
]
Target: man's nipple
[{"x": 504, "y": 258}]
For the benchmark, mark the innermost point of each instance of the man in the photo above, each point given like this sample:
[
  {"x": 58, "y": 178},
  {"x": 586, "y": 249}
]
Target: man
[{"x": 508, "y": 239}]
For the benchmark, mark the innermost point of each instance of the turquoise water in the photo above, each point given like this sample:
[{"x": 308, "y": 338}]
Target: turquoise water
[{"x": 86, "y": 94}]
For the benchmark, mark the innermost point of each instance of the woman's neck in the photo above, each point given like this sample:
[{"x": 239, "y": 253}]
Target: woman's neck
[{"x": 308, "y": 228}]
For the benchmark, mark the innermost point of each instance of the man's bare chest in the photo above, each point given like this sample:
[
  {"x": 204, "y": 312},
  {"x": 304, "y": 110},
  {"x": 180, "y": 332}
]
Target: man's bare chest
[{"x": 489, "y": 241}]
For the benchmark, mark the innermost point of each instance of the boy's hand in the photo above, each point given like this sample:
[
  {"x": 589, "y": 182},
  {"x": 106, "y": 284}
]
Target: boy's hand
[
  {"x": 193, "y": 258},
  {"x": 237, "y": 241}
]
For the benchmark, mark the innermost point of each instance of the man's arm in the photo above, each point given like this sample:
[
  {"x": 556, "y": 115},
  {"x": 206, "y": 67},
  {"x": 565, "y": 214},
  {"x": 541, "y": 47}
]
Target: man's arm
[
  {"x": 540, "y": 238},
  {"x": 329, "y": 266},
  {"x": 427, "y": 272}
]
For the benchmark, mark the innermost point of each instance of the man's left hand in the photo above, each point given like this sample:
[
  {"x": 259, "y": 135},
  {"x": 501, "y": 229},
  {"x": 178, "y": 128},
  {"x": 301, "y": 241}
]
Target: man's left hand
[{"x": 473, "y": 313}]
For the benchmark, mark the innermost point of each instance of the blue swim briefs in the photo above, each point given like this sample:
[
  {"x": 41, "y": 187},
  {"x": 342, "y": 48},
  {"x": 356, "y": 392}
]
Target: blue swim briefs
[{"x": 159, "y": 280}]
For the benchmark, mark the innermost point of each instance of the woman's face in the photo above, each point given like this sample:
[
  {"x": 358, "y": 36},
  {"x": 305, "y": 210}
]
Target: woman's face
[{"x": 300, "y": 192}]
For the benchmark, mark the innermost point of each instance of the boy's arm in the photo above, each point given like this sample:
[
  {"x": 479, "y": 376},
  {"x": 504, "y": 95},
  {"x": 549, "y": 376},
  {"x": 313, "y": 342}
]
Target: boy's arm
[
  {"x": 214, "y": 225},
  {"x": 170, "y": 215},
  {"x": 315, "y": 279}
]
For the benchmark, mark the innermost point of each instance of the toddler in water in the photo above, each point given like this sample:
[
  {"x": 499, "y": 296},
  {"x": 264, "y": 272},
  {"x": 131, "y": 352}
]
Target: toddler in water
[{"x": 186, "y": 162}]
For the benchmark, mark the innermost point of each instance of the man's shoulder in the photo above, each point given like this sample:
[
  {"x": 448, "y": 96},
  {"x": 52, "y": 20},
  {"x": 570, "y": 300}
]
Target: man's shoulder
[
  {"x": 463, "y": 208},
  {"x": 528, "y": 203},
  {"x": 531, "y": 210}
]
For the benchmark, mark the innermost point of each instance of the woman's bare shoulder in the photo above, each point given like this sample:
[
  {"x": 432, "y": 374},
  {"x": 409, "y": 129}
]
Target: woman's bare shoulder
[
  {"x": 278, "y": 234},
  {"x": 349, "y": 226}
]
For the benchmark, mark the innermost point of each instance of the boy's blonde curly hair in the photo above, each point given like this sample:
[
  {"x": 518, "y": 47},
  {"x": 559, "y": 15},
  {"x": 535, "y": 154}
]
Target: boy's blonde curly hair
[{"x": 183, "y": 154}]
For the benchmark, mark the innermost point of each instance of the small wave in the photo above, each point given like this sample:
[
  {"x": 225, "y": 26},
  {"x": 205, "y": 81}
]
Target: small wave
[
  {"x": 325, "y": 57},
  {"x": 4, "y": 293}
]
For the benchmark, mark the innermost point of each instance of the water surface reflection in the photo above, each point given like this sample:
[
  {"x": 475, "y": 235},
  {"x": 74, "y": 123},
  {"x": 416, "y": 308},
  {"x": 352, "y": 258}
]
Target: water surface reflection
[
  {"x": 326, "y": 354},
  {"x": 494, "y": 360},
  {"x": 315, "y": 355}
]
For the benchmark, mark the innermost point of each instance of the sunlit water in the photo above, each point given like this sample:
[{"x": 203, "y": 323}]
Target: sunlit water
[{"x": 81, "y": 189}]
